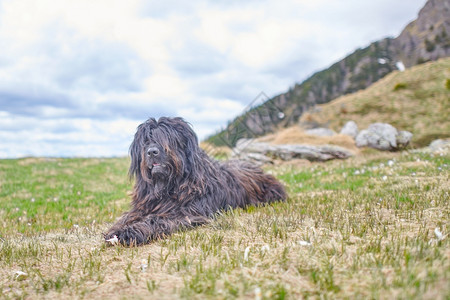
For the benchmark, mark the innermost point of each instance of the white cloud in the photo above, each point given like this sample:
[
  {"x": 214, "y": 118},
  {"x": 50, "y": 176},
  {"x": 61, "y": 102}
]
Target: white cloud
[
  {"x": 65, "y": 137},
  {"x": 77, "y": 77}
]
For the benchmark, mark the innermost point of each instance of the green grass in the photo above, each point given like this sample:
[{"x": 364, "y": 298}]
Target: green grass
[
  {"x": 361, "y": 228},
  {"x": 43, "y": 194}
]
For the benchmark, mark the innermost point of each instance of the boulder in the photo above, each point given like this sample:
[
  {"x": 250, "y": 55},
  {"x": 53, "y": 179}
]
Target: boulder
[
  {"x": 350, "y": 128},
  {"x": 439, "y": 144},
  {"x": 310, "y": 152},
  {"x": 261, "y": 153},
  {"x": 256, "y": 158},
  {"x": 440, "y": 147},
  {"x": 383, "y": 136},
  {"x": 403, "y": 138}
]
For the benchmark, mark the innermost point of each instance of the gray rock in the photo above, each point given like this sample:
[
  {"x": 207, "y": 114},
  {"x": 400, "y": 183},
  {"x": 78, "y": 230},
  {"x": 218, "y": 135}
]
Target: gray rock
[
  {"x": 403, "y": 138},
  {"x": 350, "y": 128},
  {"x": 383, "y": 136},
  {"x": 311, "y": 152},
  {"x": 266, "y": 153},
  {"x": 320, "y": 132},
  {"x": 367, "y": 138},
  {"x": 439, "y": 144},
  {"x": 251, "y": 146},
  {"x": 257, "y": 158}
]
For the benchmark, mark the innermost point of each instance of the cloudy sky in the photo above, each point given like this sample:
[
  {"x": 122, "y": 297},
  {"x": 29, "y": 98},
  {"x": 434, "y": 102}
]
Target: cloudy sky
[{"x": 78, "y": 77}]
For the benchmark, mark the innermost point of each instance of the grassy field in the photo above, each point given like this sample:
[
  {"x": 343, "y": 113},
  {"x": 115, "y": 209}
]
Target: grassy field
[{"x": 361, "y": 228}]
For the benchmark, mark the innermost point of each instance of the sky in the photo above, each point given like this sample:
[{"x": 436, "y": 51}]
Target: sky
[{"x": 78, "y": 77}]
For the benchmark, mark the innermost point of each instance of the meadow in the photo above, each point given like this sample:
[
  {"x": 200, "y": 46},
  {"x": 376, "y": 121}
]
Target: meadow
[{"x": 373, "y": 226}]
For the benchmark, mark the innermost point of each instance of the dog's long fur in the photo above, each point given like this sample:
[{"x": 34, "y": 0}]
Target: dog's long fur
[{"x": 178, "y": 185}]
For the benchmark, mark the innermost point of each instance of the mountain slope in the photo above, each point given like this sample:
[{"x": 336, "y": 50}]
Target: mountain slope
[
  {"x": 426, "y": 38},
  {"x": 417, "y": 100}
]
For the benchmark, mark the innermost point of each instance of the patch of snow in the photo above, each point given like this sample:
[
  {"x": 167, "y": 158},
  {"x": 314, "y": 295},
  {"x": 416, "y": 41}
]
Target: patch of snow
[{"x": 400, "y": 66}]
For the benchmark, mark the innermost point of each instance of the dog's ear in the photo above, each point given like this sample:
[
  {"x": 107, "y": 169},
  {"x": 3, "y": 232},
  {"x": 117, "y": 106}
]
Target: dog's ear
[
  {"x": 191, "y": 147},
  {"x": 136, "y": 156}
]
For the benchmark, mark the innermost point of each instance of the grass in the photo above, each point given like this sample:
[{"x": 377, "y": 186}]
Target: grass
[
  {"x": 361, "y": 228},
  {"x": 42, "y": 194}
]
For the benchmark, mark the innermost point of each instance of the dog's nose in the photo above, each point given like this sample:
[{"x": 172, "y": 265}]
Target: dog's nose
[{"x": 152, "y": 151}]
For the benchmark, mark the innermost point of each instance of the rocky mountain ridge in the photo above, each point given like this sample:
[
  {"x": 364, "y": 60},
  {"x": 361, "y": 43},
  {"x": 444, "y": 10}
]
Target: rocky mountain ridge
[{"x": 425, "y": 39}]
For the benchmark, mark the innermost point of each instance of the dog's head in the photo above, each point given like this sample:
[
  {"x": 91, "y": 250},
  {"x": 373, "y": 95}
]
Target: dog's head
[{"x": 163, "y": 150}]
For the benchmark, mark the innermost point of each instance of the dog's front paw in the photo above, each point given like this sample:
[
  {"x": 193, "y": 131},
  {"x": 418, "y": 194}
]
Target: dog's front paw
[
  {"x": 112, "y": 240},
  {"x": 127, "y": 236}
]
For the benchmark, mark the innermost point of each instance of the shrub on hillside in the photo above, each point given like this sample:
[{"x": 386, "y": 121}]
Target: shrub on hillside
[{"x": 400, "y": 86}]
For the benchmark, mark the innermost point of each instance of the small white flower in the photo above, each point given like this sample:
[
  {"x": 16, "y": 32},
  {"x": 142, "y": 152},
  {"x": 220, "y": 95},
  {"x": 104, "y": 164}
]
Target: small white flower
[
  {"x": 32, "y": 199},
  {"x": 265, "y": 248},
  {"x": 144, "y": 265},
  {"x": 113, "y": 241},
  {"x": 390, "y": 163},
  {"x": 357, "y": 172},
  {"x": 258, "y": 294},
  {"x": 76, "y": 226},
  {"x": 19, "y": 275},
  {"x": 438, "y": 234},
  {"x": 384, "y": 178},
  {"x": 304, "y": 243},
  {"x": 246, "y": 252}
]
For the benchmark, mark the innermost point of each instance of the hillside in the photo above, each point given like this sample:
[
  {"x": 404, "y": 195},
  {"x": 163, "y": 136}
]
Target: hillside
[
  {"x": 417, "y": 100},
  {"x": 425, "y": 39}
]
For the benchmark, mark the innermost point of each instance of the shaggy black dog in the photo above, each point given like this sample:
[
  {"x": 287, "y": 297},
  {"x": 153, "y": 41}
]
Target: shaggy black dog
[{"x": 177, "y": 185}]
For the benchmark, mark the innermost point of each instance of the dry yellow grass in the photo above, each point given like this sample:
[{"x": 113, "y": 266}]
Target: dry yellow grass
[
  {"x": 295, "y": 135},
  {"x": 215, "y": 151}
]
